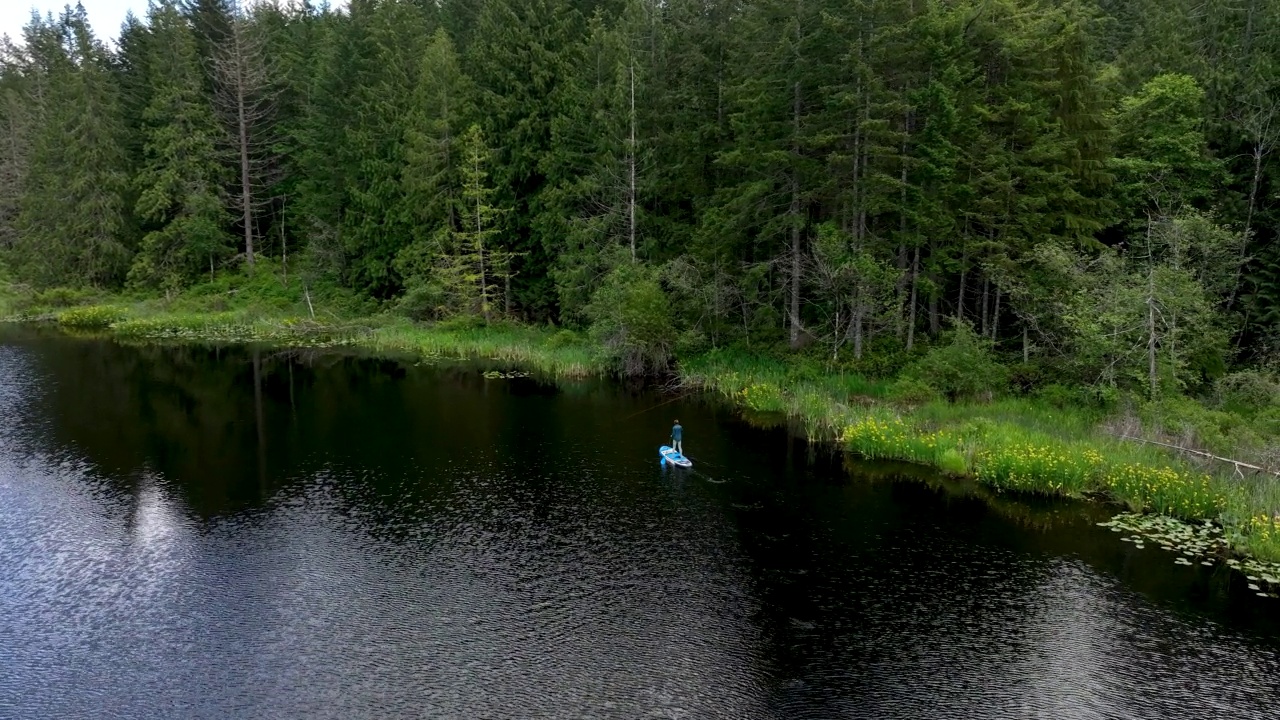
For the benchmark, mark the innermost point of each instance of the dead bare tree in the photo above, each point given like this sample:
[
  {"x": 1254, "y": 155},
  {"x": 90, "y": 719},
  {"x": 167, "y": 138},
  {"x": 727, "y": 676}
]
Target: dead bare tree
[
  {"x": 1260, "y": 121},
  {"x": 245, "y": 95}
]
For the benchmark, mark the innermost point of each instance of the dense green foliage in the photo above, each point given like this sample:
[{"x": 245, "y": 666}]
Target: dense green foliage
[{"x": 1090, "y": 185}]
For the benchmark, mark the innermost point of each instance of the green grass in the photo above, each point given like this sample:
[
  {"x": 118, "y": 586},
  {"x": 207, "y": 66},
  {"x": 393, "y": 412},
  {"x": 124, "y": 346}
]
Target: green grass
[
  {"x": 259, "y": 306},
  {"x": 1010, "y": 445},
  {"x": 544, "y": 350}
]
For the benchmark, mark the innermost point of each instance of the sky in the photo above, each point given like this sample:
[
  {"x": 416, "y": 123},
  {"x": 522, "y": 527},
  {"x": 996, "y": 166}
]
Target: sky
[{"x": 105, "y": 16}]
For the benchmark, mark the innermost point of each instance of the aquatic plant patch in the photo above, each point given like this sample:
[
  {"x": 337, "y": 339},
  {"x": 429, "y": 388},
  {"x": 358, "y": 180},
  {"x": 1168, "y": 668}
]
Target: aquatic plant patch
[
  {"x": 231, "y": 329},
  {"x": 1166, "y": 490},
  {"x": 505, "y": 375},
  {"x": 1034, "y": 465},
  {"x": 762, "y": 397},
  {"x": 1204, "y": 542},
  {"x": 892, "y": 438},
  {"x": 93, "y": 317}
]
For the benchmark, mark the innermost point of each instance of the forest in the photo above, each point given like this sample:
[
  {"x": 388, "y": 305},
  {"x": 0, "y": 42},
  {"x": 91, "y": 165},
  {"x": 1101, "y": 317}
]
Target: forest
[{"x": 1085, "y": 188}]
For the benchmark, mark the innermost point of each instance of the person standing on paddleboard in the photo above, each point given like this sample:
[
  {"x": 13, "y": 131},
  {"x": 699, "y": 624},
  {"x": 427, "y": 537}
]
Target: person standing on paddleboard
[{"x": 677, "y": 438}]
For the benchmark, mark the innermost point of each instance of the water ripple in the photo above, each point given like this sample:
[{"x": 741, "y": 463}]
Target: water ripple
[{"x": 556, "y": 576}]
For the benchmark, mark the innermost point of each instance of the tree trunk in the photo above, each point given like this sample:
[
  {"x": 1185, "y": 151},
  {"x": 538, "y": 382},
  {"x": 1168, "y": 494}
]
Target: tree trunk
[
  {"x": 1258, "y": 154},
  {"x": 862, "y": 195},
  {"x": 794, "y": 212},
  {"x": 995, "y": 316},
  {"x": 631, "y": 164},
  {"x": 964, "y": 272},
  {"x": 1151, "y": 330},
  {"x": 1248, "y": 28},
  {"x": 1026, "y": 346},
  {"x": 836, "y": 337},
  {"x": 484, "y": 280},
  {"x": 1151, "y": 312},
  {"x": 246, "y": 191},
  {"x": 857, "y": 332},
  {"x": 984, "y": 305},
  {"x": 902, "y": 248},
  {"x": 284, "y": 249},
  {"x": 911, "y": 305},
  {"x": 243, "y": 98},
  {"x": 856, "y": 214},
  {"x": 935, "y": 322}
]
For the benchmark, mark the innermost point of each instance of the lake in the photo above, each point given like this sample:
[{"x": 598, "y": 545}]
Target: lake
[{"x": 205, "y": 532}]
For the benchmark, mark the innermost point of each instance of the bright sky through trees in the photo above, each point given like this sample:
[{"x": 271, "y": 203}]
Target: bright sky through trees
[{"x": 106, "y": 15}]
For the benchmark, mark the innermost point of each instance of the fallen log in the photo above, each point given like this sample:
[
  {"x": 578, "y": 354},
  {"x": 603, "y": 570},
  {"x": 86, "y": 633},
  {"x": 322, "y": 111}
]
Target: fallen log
[{"x": 1237, "y": 463}]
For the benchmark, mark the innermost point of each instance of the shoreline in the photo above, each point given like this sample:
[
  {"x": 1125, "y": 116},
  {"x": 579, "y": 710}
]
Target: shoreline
[{"x": 1009, "y": 446}]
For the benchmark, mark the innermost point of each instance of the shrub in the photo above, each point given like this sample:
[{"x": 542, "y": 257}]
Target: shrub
[
  {"x": 57, "y": 298},
  {"x": 1029, "y": 377},
  {"x": 461, "y": 323},
  {"x": 1247, "y": 390},
  {"x": 63, "y": 297},
  {"x": 1191, "y": 423},
  {"x": 1057, "y": 395},
  {"x": 630, "y": 315},
  {"x": 883, "y": 357},
  {"x": 563, "y": 338},
  {"x": 691, "y": 342},
  {"x": 912, "y": 391},
  {"x": 964, "y": 368},
  {"x": 1267, "y": 422}
]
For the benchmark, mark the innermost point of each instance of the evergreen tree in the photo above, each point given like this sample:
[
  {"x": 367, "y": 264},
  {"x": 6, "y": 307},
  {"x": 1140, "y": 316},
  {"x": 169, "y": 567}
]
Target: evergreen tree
[
  {"x": 179, "y": 184},
  {"x": 773, "y": 100},
  {"x": 70, "y": 225},
  {"x": 442, "y": 109},
  {"x": 465, "y": 269},
  {"x": 522, "y": 55},
  {"x": 759, "y": 172},
  {"x": 16, "y": 128},
  {"x": 382, "y": 51}
]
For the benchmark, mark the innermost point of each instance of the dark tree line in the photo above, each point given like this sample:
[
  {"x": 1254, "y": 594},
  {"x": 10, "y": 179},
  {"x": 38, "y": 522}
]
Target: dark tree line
[{"x": 1088, "y": 181}]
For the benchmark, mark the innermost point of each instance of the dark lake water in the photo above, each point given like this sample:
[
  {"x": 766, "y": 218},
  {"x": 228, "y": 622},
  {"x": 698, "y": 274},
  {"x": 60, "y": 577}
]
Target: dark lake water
[{"x": 229, "y": 533}]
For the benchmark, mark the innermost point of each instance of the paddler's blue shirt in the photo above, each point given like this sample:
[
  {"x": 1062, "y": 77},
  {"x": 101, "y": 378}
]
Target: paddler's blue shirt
[{"x": 677, "y": 432}]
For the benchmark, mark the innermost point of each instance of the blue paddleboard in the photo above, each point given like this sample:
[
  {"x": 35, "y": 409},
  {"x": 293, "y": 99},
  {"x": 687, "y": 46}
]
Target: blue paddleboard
[{"x": 670, "y": 455}]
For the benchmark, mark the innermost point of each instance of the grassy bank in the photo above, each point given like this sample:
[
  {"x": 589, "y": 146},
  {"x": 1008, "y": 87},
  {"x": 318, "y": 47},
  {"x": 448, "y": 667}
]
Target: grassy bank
[
  {"x": 261, "y": 308},
  {"x": 551, "y": 352},
  {"x": 1014, "y": 445}
]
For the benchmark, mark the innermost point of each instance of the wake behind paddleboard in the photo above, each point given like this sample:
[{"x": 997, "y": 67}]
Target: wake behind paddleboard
[{"x": 670, "y": 455}]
